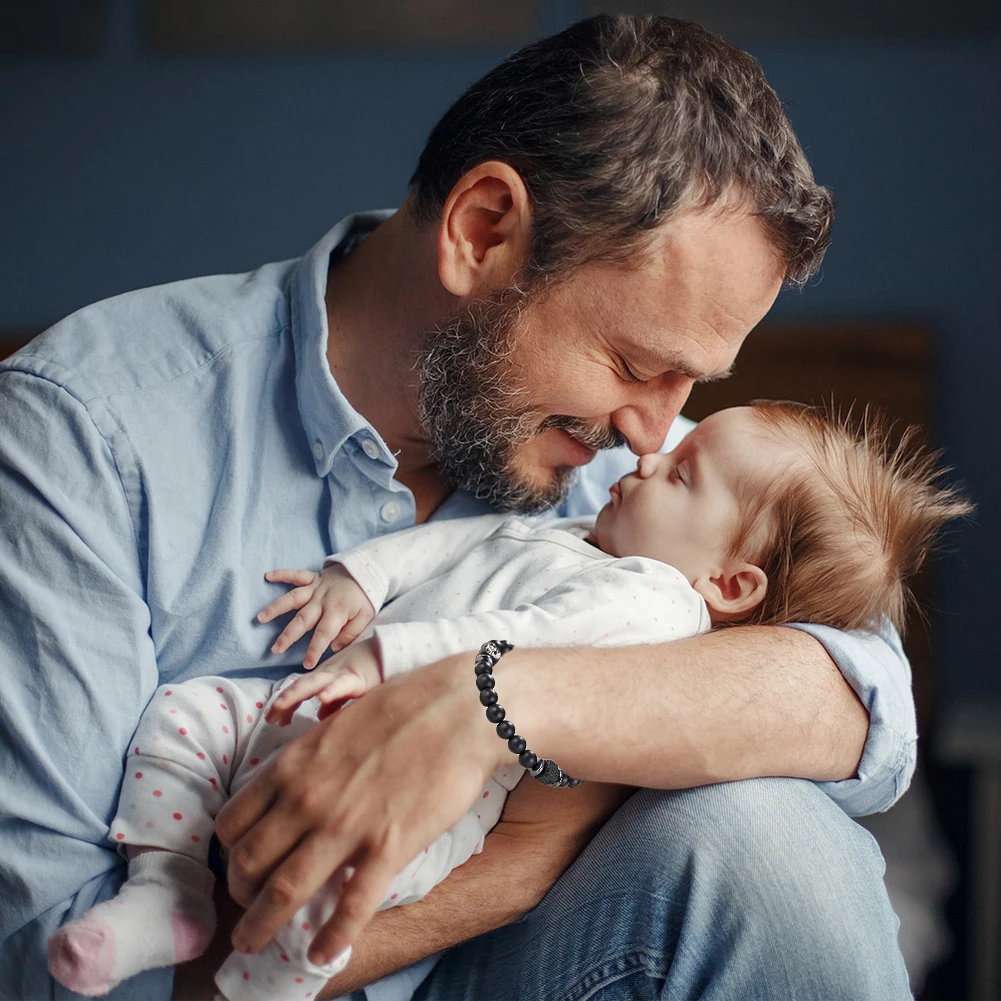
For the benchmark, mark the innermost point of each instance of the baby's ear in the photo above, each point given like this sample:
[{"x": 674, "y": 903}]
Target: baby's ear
[{"x": 734, "y": 593}]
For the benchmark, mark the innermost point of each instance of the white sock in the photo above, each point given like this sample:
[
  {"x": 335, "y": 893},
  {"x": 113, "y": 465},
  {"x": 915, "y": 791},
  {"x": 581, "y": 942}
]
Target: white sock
[{"x": 162, "y": 915}]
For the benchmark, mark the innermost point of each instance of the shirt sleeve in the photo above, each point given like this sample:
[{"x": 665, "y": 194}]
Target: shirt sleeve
[
  {"x": 387, "y": 566},
  {"x": 625, "y": 603},
  {"x": 76, "y": 669},
  {"x": 879, "y": 673}
]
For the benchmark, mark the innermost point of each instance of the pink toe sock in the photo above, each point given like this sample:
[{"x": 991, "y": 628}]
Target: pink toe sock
[
  {"x": 191, "y": 936},
  {"x": 163, "y": 915},
  {"x": 82, "y": 956}
]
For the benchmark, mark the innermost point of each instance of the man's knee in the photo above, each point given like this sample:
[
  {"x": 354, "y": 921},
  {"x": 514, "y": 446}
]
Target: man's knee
[{"x": 768, "y": 868}]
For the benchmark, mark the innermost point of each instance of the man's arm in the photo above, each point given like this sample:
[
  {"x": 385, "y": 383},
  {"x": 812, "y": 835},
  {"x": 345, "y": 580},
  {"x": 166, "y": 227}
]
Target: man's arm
[
  {"x": 540, "y": 833},
  {"x": 396, "y": 768},
  {"x": 732, "y": 704},
  {"x": 76, "y": 668}
]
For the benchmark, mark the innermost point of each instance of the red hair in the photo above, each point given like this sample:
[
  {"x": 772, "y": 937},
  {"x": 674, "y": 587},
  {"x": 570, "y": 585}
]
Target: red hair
[{"x": 856, "y": 517}]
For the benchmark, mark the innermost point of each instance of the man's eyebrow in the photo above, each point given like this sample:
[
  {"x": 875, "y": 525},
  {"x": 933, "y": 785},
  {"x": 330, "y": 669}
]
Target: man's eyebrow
[
  {"x": 676, "y": 365},
  {"x": 717, "y": 376}
]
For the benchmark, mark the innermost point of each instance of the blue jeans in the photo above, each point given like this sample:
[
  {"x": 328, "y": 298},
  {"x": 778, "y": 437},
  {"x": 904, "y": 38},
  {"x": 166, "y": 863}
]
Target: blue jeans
[{"x": 740, "y": 891}]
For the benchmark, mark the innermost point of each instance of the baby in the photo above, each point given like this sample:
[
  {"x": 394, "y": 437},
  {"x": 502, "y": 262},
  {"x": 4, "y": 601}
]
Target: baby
[{"x": 765, "y": 514}]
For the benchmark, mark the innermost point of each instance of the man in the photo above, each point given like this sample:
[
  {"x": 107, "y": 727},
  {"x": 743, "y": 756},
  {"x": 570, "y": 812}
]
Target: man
[{"x": 595, "y": 226}]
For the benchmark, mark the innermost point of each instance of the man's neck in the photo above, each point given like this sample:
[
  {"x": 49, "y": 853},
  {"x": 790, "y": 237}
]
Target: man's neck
[{"x": 380, "y": 300}]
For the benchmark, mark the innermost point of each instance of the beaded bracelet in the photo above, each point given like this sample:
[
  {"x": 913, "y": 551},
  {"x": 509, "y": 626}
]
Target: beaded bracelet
[{"x": 543, "y": 770}]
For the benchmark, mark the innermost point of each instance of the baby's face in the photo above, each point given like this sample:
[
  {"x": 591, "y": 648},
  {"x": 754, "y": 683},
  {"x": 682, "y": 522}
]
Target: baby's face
[{"x": 682, "y": 508}]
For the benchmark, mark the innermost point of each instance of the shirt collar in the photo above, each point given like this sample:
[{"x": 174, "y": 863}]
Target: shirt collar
[{"x": 327, "y": 416}]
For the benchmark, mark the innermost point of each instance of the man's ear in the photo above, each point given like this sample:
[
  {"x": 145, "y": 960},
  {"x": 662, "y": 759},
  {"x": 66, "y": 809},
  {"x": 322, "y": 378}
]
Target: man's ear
[
  {"x": 734, "y": 593},
  {"x": 485, "y": 232}
]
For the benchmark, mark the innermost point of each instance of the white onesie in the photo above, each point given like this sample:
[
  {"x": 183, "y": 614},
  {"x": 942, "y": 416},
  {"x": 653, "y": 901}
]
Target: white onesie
[{"x": 447, "y": 587}]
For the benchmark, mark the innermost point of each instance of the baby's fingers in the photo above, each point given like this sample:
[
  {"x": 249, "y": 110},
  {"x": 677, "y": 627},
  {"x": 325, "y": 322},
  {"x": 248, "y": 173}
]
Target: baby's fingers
[
  {"x": 337, "y": 688},
  {"x": 289, "y": 700},
  {"x": 342, "y": 686},
  {"x": 351, "y": 630},
  {"x": 287, "y": 576},
  {"x": 295, "y": 598},
  {"x": 327, "y": 628},
  {"x": 305, "y": 620}
]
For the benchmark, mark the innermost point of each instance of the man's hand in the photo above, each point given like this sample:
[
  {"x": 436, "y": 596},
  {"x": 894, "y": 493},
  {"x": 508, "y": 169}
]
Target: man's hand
[
  {"x": 330, "y": 603},
  {"x": 541, "y": 832},
  {"x": 368, "y": 787},
  {"x": 347, "y": 675}
]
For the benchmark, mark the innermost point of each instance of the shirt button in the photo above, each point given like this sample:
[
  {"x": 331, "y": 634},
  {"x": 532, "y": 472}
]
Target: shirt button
[
  {"x": 370, "y": 448},
  {"x": 390, "y": 511},
  {"x": 318, "y": 450}
]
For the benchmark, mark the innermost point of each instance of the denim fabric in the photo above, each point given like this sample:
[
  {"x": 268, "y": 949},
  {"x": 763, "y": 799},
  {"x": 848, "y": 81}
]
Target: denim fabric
[
  {"x": 743, "y": 891},
  {"x": 159, "y": 452}
]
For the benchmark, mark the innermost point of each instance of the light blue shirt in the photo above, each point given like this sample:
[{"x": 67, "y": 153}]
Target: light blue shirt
[{"x": 159, "y": 452}]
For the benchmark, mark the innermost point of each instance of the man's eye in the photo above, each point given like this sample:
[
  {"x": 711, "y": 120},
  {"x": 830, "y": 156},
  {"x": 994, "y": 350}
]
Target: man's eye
[{"x": 630, "y": 376}]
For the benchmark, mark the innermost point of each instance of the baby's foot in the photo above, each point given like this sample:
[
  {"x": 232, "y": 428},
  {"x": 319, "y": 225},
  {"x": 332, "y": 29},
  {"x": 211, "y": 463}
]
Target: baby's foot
[
  {"x": 163, "y": 915},
  {"x": 82, "y": 956}
]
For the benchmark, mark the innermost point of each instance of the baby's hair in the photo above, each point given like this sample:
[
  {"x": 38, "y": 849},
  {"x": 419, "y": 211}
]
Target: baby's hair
[{"x": 856, "y": 517}]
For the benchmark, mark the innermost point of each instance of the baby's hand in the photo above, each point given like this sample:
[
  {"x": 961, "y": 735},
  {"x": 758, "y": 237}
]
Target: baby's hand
[
  {"x": 347, "y": 675},
  {"x": 330, "y": 603}
]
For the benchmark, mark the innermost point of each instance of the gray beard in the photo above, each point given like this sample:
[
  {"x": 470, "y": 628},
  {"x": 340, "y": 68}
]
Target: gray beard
[{"x": 473, "y": 412}]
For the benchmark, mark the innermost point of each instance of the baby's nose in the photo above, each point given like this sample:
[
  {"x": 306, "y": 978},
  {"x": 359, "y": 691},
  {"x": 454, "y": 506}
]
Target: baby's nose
[{"x": 647, "y": 464}]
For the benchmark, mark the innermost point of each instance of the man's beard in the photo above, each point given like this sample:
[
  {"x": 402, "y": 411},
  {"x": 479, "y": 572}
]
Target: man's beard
[{"x": 474, "y": 413}]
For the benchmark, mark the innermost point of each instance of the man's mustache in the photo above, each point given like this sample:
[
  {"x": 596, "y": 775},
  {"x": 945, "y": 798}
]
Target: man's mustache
[{"x": 592, "y": 435}]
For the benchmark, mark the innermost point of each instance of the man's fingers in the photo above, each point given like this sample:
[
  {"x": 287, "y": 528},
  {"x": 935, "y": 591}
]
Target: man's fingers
[
  {"x": 301, "y": 875},
  {"x": 359, "y": 900},
  {"x": 236, "y": 826}
]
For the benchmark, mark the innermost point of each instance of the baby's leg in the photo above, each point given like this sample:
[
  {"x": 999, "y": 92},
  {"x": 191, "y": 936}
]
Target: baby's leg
[
  {"x": 177, "y": 777},
  {"x": 162, "y": 915},
  {"x": 281, "y": 969}
]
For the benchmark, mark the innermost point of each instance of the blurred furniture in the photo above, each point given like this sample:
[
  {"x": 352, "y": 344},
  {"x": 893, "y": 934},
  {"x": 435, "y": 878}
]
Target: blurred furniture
[{"x": 970, "y": 734}]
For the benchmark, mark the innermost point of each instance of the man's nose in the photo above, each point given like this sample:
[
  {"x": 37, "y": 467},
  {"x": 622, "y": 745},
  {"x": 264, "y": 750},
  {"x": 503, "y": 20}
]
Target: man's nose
[{"x": 645, "y": 422}]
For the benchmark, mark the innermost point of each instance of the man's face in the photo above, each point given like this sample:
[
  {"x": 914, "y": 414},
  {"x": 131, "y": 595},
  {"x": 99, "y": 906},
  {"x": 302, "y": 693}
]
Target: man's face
[{"x": 520, "y": 389}]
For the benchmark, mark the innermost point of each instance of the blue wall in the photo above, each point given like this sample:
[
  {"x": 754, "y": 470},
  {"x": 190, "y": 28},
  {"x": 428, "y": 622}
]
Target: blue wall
[{"x": 131, "y": 171}]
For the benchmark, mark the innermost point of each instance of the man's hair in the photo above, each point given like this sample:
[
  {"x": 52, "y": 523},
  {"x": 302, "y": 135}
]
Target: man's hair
[
  {"x": 856, "y": 516},
  {"x": 616, "y": 125}
]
